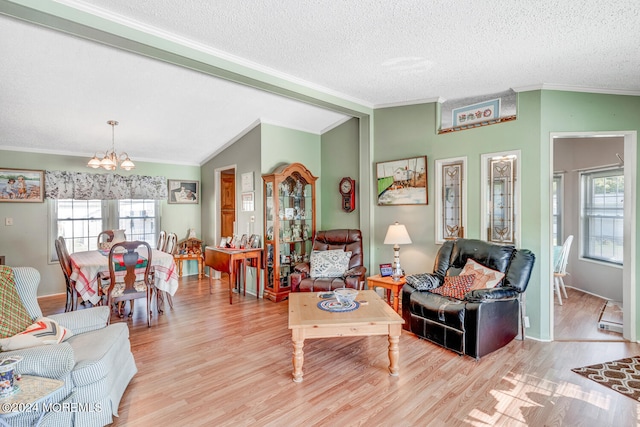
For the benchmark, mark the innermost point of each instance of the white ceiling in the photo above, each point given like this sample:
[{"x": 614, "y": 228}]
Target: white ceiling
[{"x": 57, "y": 91}]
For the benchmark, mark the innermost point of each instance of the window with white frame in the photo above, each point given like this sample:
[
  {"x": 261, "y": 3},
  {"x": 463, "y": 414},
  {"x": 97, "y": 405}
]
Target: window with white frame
[
  {"x": 80, "y": 221},
  {"x": 557, "y": 198},
  {"x": 602, "y": 209},
  {"x": 139, "y": 219}
]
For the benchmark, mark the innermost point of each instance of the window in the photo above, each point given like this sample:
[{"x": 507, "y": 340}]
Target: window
[
  {"x": 80, "y": 221},
  {"x": 139, "y": 220},
  {"x": 558, "y": 197},
  {"x": 603, "y": 215}
]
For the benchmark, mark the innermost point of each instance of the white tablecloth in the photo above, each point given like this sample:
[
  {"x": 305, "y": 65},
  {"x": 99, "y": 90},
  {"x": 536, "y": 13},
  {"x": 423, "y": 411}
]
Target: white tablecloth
[{"x": 87, "y": 265}]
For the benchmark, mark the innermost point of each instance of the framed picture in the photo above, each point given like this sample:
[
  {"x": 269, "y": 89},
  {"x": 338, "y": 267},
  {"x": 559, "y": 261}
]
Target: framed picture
[
  {"x": 247, "y": 201},
  {"x": 184, "y": 192},
  {"x": 254, "y": 241},
  {"x": 21, "y": 185},
  {"x": 402, "y": 182},
  {"x": 247, "y": 181},
  {"x": 243, "y": 241},
  {"x": 386, "y": 270}
]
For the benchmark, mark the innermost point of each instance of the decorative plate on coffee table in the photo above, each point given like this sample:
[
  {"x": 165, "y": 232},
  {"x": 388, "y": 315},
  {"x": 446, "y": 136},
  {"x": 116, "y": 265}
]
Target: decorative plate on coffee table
[{"x": 335, "y": 307}]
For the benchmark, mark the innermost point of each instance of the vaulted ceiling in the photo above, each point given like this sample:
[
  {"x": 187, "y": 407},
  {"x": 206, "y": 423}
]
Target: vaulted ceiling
[{"x": 306, "y": 65}]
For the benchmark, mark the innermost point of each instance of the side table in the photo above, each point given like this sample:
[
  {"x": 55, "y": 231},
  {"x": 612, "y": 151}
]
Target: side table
[
  {"x": 32, "y": 394},
  {"x": 180, "y": 258},
  {"x": 389, "y": 285}
]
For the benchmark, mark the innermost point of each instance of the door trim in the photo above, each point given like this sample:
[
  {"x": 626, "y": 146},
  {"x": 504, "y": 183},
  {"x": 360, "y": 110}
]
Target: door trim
[
  {"x": 218, "y": 204},
  {"x": 629, "y": 312}
]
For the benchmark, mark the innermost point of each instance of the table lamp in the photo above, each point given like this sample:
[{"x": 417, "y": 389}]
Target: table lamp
[{"x": 397, "y": 235}]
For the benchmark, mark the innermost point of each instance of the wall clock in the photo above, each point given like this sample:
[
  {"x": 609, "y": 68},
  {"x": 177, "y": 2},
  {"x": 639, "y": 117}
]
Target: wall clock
[{"x": 348, "y": 192}]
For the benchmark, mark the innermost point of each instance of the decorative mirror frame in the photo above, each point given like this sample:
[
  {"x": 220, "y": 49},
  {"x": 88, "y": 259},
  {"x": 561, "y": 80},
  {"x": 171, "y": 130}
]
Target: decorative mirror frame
[
  {"x": 503, "y": 168},
  {"x": 451, "y": 198}
]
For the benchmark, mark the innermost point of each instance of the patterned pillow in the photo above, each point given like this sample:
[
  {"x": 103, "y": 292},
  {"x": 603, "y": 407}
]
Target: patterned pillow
[
  {"x": 455, "y": 286},
  {"x": 485, "y": 277},
  {"x": 44, "y": 331},
  {"x": 332, "y": 263},
  {"x": 14, "y": 317},
  {"x": 423, "y": 281}
]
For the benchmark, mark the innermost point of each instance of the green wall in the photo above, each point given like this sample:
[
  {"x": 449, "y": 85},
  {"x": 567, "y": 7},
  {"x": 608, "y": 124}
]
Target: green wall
[
  {"x": 26, "y": 242},
  {"x": 244, "y": 155},
  {"x": 282, "y": 146},
  {"x": 339, "y": 158},
  {"x": 583, "y": 112},
  {"x": 408, "y": 131}
]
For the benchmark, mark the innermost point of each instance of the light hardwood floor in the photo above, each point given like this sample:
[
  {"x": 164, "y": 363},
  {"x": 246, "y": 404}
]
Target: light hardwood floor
[
  {"x": 208, "y": 363},
  {"x": 577, "y": 318}
]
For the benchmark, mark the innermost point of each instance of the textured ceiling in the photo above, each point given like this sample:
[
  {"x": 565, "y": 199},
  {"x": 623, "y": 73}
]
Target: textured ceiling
[{"x": 58, "y": 91}]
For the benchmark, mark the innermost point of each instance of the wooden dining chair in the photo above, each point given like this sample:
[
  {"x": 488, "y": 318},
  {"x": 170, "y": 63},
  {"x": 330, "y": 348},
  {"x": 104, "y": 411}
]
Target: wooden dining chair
[
  {"x": 108, "y": 236},
  {"x": 162, "y": 240},
  {"x": 126, "y": 257},
  {"x": 560, "y": 269},
  {"x": 172, "y": 243},
  {"x": 170, "y": 247},
  {"x": 65, "y": 263}
]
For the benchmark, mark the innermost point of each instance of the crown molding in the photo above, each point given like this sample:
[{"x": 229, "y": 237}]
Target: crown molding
[
  {"x": 89, "y": 155},
  {"x": 410, "y": 102},
  {"x": 567, "y": 88}
]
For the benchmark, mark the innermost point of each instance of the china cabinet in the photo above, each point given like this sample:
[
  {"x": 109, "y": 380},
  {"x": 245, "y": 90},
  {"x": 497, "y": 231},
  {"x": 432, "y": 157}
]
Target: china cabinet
[{"x": 289, "y": 218}]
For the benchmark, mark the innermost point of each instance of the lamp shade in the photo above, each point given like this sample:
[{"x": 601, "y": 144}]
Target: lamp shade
[{"x": 397, "y": 235}]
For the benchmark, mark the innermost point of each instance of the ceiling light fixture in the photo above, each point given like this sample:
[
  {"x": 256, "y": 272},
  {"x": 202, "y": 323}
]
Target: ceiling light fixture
[{"x": 111, "y": 160}]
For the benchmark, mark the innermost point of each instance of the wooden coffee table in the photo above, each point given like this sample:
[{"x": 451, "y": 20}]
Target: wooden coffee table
[{"x": 375, "y": 317}]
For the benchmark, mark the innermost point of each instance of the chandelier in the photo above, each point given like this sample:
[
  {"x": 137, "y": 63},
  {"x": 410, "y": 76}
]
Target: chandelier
[{"x": 111, "y": 160}]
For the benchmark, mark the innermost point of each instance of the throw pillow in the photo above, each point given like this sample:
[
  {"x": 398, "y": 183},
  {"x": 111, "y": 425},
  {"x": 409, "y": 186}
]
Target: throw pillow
[
  {"x": 118, "y": 261},
  {"x": 485, "y": 277},
  {"x": 455, "y": 286},
  {"x": 332, "y": 263},
  {"x": 423, "y": 281},
  {"x": 44, "y": 331},
  {"x": 14, "y": 317}
]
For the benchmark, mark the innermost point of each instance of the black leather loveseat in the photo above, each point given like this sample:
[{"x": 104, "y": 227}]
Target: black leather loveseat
[{"x": 486, "y": 319}]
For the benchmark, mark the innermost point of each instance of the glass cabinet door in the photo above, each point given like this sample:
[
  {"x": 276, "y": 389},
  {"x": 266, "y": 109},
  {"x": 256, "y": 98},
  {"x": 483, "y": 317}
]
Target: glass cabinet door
[{"x": 290, "y": 225}]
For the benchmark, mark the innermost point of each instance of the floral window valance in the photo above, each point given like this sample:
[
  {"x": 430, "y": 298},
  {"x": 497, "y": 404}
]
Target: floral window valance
[{"x": 106, "y": 186}]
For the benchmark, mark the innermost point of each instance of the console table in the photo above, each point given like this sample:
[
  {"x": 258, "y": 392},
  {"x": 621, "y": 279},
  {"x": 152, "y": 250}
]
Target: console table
[
  {"x": 189, "y": 250},
  {"x": 180, "y": 258},
  {"x": 226, "y": 261}
]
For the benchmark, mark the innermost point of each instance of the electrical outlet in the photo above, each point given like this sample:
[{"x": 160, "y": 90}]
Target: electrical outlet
[
  {"x": 8, "y": 221},
  {"x": 526, "y": 322}
]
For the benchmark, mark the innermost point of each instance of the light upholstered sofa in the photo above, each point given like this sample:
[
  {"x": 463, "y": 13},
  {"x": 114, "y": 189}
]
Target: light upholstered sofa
[{"x": 96, "y": 363}]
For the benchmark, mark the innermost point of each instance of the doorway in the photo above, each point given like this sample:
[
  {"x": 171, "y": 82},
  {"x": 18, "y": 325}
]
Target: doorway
[
  {"x": 227, "y": 202},
  {"x": 225, "y": 205},
  {"x": 594, "y": 281}
]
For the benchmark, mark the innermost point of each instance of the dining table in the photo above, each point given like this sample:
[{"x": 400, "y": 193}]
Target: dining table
[{"x": 87, "y": 266}]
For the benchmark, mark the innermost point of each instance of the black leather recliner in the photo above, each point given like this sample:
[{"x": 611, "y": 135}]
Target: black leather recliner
[{"x": 487, "y": 319}]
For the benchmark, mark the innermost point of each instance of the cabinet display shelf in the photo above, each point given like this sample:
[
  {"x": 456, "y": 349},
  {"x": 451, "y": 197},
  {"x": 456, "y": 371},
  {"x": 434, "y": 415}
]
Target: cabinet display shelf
[{"x": 289, "y": 218}]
